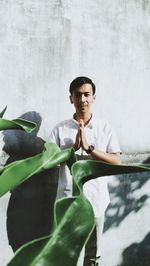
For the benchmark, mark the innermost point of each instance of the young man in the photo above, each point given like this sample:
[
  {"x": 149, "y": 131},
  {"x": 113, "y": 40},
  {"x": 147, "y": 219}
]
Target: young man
[{"x": 91, "y": 138}]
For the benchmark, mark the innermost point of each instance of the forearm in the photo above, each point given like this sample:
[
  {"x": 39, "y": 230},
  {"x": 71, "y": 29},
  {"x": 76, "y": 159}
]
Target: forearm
[
  {"x": 81, "y": 141},
  {"x": 113, "y": 158}
]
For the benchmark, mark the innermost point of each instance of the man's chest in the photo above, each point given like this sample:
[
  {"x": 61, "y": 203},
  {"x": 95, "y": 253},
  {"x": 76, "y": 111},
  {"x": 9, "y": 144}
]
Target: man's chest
[{"x": 94, "y": 136}]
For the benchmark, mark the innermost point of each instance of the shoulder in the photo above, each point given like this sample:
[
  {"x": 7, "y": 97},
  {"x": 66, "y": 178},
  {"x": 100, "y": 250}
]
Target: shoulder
[
  {"x": 101, "y": 123},
  {"x": 63, "y": 123},
  {"x": 102, "y": 127},
  {"x": 57, "y": 130}
]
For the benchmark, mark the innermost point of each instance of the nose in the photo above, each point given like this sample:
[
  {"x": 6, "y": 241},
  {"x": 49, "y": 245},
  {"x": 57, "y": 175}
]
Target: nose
[{"x": 82, "y": 98}]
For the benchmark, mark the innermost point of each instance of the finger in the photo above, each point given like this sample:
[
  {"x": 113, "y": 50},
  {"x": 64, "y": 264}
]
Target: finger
[{"x": 81, "y": 123}]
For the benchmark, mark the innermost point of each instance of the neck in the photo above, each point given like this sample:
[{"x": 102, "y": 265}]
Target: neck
[{"x": 85, "y": 117}]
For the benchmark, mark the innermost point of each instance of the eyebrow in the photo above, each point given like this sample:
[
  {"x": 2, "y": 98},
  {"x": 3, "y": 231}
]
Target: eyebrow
[{"x": 80, "y": 93}]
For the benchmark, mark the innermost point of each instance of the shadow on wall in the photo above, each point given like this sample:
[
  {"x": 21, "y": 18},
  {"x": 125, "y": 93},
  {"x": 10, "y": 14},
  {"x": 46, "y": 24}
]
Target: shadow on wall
[
  {"x": 127, "y": 197},
  {"x": 30, "y": 208},
  {"x": 137, "y": 254},
  {"x": 124, "y": 197}
]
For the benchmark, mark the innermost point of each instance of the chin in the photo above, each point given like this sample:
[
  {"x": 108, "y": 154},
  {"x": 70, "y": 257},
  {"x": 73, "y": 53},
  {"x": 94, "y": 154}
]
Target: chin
[{"x": 84, "y": 111}]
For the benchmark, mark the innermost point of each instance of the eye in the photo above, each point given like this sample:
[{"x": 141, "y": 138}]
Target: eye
[{"x": 86, "y": 94}]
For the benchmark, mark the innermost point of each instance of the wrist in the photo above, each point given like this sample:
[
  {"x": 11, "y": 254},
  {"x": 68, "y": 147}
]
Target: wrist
[{"x": 90, "y": 149}]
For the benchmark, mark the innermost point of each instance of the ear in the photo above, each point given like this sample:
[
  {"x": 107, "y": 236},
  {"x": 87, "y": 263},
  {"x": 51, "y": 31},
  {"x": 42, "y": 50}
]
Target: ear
[
  {"x": 71, "y": 101},
  {"x": 94, "y": 98}
]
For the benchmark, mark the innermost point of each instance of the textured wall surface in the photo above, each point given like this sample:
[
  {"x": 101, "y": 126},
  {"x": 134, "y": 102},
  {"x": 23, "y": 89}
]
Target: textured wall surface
[{"x": 43, "y": 46}]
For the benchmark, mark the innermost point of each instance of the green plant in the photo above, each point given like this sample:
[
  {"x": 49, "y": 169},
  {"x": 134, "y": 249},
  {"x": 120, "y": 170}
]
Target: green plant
[
  {"x": 73, "y": 216},
  {"x": 16, "y": 123}
]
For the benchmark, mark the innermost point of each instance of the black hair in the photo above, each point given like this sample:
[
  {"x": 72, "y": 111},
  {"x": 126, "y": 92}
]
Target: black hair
[{"x": 79, "y": 81}]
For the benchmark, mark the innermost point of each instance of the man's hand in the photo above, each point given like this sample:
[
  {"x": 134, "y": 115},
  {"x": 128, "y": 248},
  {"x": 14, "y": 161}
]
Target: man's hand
[
  {"x": 77, "y": 144},
  {"x": 81, "y": 140},
  {"x": 84, "y": 143}
]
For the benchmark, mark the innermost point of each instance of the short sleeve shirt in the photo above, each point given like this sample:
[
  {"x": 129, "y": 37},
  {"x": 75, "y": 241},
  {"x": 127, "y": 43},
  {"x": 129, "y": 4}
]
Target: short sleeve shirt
[{"x": 99, "y": 134}]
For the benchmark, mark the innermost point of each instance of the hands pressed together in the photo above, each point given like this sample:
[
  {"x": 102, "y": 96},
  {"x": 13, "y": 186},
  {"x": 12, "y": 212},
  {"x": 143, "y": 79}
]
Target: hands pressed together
[{"x": 81, "y": 141}]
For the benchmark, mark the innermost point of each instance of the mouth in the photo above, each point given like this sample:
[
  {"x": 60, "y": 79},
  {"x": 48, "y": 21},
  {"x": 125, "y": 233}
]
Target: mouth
[{"x": 83, "y": 106}]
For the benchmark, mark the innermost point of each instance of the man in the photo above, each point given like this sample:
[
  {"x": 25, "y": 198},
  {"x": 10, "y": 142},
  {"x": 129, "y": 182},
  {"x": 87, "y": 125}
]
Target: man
[{"x": 91, "y": 138}]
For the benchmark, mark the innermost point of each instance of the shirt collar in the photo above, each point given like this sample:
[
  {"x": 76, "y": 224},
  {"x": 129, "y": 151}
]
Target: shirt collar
[{"x": 89, "y": 125}]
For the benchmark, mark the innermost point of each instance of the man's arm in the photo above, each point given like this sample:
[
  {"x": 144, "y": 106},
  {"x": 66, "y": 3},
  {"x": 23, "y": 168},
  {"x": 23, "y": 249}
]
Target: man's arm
[{"x": 113, "y": 158}]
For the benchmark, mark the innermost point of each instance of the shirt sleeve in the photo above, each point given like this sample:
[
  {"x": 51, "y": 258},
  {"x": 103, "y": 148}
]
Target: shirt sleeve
[
  {"x": 54, "y": 136},
  {"x": 112, "y": 142}
]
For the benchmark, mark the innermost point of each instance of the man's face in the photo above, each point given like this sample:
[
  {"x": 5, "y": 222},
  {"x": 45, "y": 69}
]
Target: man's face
[{"x": 82, "y": 98}]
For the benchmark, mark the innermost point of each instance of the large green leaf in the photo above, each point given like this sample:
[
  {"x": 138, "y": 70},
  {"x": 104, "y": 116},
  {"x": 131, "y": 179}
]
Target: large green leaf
[
  {"x": 18, "y": 123},
  {"x": 17, "y": 172},
  {"x": 73, "y": 217},
  {"x": 3, "y": 111}
]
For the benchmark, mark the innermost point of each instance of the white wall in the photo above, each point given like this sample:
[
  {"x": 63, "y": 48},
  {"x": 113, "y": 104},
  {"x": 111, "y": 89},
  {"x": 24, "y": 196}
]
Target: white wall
[{"x": 44, "y": 45}]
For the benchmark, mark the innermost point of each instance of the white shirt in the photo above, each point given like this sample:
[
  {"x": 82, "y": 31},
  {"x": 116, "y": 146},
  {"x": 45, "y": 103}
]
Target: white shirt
[{"x": 99, "y": 134}]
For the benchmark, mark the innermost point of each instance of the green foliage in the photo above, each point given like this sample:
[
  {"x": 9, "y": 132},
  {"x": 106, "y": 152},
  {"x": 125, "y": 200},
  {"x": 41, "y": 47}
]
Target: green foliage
[
  {"x": 73, "y": 217},
  {"x": 17, "y": 172},
  {"x": 16, "y": 123},
  {"x": 3, "y": 111}
]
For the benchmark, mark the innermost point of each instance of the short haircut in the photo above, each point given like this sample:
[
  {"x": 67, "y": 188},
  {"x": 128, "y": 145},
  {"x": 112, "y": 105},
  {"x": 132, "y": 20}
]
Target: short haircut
[{"x": 79, "y": 81}]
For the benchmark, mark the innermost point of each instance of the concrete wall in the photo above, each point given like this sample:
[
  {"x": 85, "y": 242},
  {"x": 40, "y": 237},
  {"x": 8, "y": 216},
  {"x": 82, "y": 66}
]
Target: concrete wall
[{"x": 43, "y": 46}]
